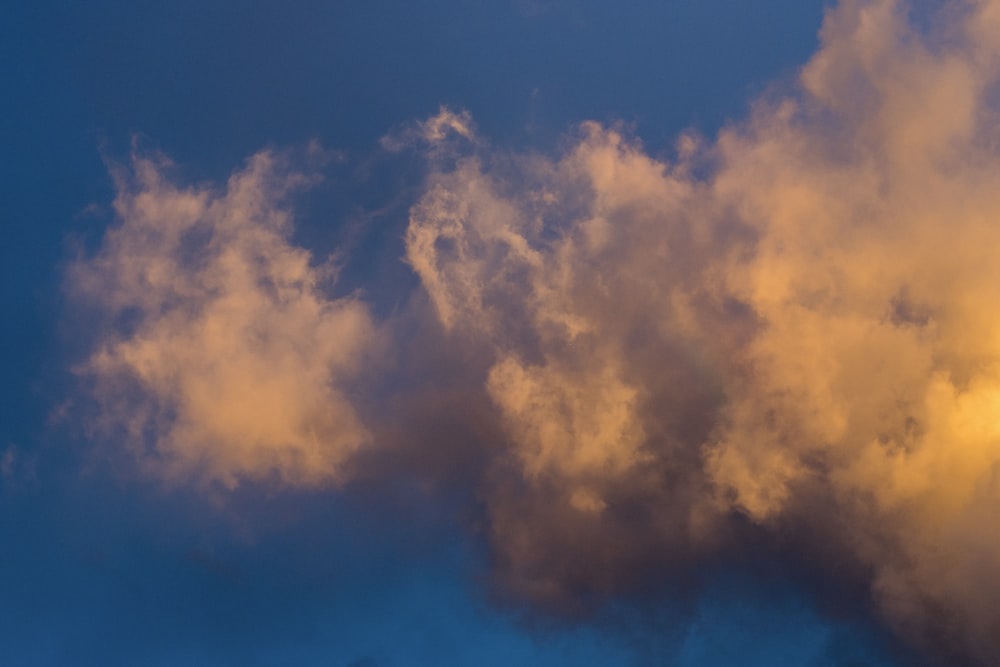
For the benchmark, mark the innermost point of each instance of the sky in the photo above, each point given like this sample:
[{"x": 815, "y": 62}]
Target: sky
[{"x": 495, "y": 332}]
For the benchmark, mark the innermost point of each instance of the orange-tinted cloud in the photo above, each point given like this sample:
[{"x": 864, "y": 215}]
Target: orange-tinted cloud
[
  {"x": 792, "y": 326},
  {"x": 806, "y": 331},
  {"x": 226, "y": 359}
]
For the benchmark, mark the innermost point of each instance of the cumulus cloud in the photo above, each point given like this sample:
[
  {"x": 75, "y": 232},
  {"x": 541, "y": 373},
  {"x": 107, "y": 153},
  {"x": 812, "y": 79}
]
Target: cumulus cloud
[
  {"x": 792, "y": 323},
  {"x": 583, "y": 285},
  {"x": 790, "y": 327},
  {"x": 224, "y": 358}
]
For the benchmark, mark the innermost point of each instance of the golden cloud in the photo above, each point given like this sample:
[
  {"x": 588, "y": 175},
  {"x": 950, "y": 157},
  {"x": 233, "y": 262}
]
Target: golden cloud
[
  {"x": 227, "y": 359},
  {"x": 793, "y": 326},
  {"x": 806, "y": 332}
]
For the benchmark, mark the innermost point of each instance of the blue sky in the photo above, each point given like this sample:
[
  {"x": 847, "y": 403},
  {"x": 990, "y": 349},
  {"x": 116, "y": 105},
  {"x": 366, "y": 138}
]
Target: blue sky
[{"x": 494, "y": 464}]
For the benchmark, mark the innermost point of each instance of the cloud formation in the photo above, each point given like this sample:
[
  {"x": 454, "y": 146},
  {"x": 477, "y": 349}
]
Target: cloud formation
[
  {"x": 792, "y": 323},
  {"x": 224, "y": 357},
  {"x": 789, "y": 328}
]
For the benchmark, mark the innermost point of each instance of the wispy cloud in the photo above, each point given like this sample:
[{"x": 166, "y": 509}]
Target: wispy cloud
[
  {"x": 443, "y": 125},
  {"x": 224, "y": 358}
]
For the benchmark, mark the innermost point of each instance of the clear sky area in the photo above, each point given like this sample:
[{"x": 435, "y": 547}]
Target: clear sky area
[{"x": 500, "y": 332}]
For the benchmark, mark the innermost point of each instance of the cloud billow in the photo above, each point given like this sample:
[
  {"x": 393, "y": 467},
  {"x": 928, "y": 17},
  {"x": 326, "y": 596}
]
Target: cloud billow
[
  {"x": 791, "y": 327},
  {"x": 803, "y": 332},
  {"x": 225, "y": 359}
]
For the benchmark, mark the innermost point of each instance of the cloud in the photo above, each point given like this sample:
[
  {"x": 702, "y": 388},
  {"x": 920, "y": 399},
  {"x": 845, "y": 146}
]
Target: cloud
[
  {"x": 17, "y": 469},
  {"x": 432, "y": 131},
  {"x": 582, "y": 285},
  {"x": 782, "y": 340},
  {"x": 224, "y": 357},
  {"x": 791, "y": 323}
]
